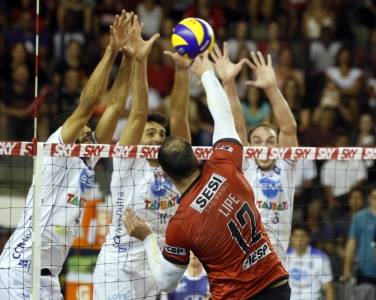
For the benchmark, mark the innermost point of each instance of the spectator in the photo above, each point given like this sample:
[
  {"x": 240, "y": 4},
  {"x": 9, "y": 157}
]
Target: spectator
[
  {"x": 371, "y": 85},
  {"x": 309, "y": 268},
  {"x": 322, "y": 233},
  {"x": 366, "y": 56},
  {"x": 104, "y": 14},
  {"x": 206, "y": 10},
  {"x": 294, "y": 10},
  {"x": 74, "y": 61},
  {"x": 324, "y": 132},
  {"x": 339, "y": 176},
  {"x": 15, "y": 98},
  {"x": 356, "y": 202},
  {"x": 193, "y": 285},
  {"x": 322, "y": 52},
  {"x": 151, "y": 14},
  {"x": 274, "y": 43},
  {"x": 67, "y": 33},
  {"x": 306, "y": 172},
  {"x": 317, "y": 15},
  {"x": 77, "y": 9},
  {"x": 347, "y": 78},
  {"x": 160, "y": 75},
  {"x": 368, "y": 13},
  {"x": 242, "y": 38},
  {"x": 66, "y": 98},
  {"x": 285, "y": 69},
  {"x": 165, "y": 38},
  {"x": 26, "y": 34},
  {"x": 293, "y": 93},
  {"x": 359, "y": 244},
  {"x": 260, "y": 11},
  {"x": 243, "y": 76},
  {"x": 255, "y": 110},
  {"x": 365, "y": 136}
]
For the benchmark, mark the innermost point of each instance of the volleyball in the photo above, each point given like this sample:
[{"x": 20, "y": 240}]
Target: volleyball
[{"x": 192, "y": 37}]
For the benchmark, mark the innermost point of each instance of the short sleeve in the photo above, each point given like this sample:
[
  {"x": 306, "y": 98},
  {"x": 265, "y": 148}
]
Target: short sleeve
[
  {"x": 228, "y": 151},
  {"x": 177, "y": 247}
]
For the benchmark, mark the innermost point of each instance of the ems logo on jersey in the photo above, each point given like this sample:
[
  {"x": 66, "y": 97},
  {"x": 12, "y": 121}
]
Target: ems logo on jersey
[
  {"x": 161, "y": 185},
  {"x": 208, "y": 192},
  {"x": 224, "y": 147},
  {"x": 86, "y": 180},
  {"x": 270, "y": 188},
  {"x": 175, "y": 250}
]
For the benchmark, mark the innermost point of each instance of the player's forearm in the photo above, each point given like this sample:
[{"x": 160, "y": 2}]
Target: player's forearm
[
  {"x": 166, "y": 275},
  {"x": 121, "y": 87},
  {"x": 96, "y": 85},
  {"x": 232, "y": 94},
  {"x": 179, "y": 101},
  {"x": 140, "y": 93},
  {"x": 219, "y": 107},
  {"x": 281, "y": 110}
]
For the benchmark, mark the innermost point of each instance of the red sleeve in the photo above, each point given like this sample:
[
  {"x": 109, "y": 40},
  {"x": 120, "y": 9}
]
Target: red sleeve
[
  {"x": 177, "y": 249},
  {"x": 228, "y": 151}
]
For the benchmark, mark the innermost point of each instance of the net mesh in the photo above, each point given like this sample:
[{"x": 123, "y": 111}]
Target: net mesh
[{"x": 331, "y": 185}]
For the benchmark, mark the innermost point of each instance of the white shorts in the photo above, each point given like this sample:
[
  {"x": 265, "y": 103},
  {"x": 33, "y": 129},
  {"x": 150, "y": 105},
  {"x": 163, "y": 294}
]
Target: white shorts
[
  {"x": 111, "y": 282},
  {"x": 16, "y": 285}
]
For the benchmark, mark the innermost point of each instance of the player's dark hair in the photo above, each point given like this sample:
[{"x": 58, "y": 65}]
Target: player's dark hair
[
  {"x": 157, "y": 118},
  {"x": 57, "y": 122},
  {"x": 176, "y": 158},
  {"x": 263, "y": 124}
]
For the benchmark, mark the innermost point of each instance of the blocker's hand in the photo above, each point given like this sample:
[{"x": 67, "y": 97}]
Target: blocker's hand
[{"x": 137, "y": 227}]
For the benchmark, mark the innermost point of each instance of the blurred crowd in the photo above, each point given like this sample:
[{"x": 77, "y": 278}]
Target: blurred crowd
[{"x": 323, "y": 52}]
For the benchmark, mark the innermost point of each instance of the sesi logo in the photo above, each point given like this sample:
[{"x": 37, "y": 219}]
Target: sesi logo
[
  {"x": 175, "y": 250},
  {"x": 86, "y": 180}
]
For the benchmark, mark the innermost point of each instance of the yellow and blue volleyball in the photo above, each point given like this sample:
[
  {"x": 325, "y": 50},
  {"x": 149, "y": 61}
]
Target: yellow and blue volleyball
[{"x": 192, "y": 37}]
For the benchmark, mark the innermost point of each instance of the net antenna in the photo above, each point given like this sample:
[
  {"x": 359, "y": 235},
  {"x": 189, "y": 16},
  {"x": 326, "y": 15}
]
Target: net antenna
[{"x": 37, "y": 181}]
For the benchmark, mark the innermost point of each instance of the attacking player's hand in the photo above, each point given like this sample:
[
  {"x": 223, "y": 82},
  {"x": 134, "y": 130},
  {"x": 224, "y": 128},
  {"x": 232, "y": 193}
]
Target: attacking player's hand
[
  {"x": 136, "y": 226},
  {"x": 201, "y": 65},
  {"x": 119, "y": 36},
  {"x": 179, "y": 61},
  {"x": 264, "y": 71},
  {"x": 225, "y": 69}
]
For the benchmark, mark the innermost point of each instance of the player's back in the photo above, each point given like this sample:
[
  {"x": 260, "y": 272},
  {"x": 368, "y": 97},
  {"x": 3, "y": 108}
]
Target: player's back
[{"x": 217, "y": 220}]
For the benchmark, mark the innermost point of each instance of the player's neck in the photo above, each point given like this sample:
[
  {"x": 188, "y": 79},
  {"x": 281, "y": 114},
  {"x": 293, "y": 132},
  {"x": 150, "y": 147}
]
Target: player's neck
[{"x": 183, "y": 185}]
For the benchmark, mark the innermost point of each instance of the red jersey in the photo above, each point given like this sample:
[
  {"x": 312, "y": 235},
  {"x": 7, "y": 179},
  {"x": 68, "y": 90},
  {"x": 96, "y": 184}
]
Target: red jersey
[{"x": 217, "y": 220}]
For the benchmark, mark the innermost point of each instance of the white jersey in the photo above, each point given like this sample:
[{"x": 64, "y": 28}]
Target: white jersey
[
  {"x": 308, "y": 273},
  {"x": 66, "y": 185},
  {"x": 136, "y": 184},
  {"x": 274, "y": 197}
]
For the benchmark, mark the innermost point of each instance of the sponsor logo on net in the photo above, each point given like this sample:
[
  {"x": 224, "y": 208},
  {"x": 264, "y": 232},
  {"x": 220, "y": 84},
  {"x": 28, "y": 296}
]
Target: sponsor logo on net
[
  {"x": 175, "y": 250},
  {"x": 256, "y": 256},
  {"x": 208, "y": 192}
]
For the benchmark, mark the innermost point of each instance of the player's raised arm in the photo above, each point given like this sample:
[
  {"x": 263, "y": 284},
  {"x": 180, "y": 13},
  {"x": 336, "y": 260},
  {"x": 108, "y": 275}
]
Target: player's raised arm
[
  {"x": 132, "y": 133},
  {"x": 227, "y": 72},
  {"x": 180, "y": 97},
  {"x": 218, "y": 102},
  {"x": 95, "y": 87},
  {"x": 266, "y": 80},
  {"x": 121, "y": 87}
]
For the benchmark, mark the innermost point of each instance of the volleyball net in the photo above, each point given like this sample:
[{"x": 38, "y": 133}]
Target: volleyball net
[{"x": 340, "y": 169}]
